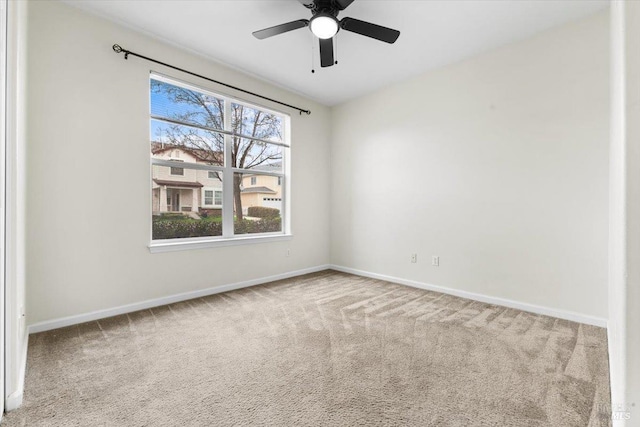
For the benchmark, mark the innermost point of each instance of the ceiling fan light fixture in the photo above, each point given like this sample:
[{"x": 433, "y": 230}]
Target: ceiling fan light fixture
[{"x": 324, "y": 26}]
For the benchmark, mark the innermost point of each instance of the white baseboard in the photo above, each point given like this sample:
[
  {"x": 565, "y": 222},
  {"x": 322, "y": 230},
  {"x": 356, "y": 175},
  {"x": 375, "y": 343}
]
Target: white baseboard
[
  {"x": 101, "y": 314},
  {"x": 14, "y": 400},
  {"x": 129, "y": 308},
  {"x": 537, "y": 309}
]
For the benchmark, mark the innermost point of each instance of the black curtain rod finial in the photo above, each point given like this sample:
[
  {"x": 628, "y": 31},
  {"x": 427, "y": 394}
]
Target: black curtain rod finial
[{"x": 119, "y": 49}]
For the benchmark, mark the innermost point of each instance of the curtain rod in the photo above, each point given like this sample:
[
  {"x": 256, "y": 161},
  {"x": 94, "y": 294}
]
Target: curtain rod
[{"x": 119, "y": 49}]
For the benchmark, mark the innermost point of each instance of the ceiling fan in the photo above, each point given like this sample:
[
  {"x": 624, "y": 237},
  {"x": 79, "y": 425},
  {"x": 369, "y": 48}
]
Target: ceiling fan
[{"x": 324, "y": 24}]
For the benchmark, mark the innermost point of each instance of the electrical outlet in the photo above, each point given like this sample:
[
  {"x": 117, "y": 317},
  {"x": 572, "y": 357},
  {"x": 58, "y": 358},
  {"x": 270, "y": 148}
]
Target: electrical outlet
[
  {"x": 288, "y": 252},
  {"x": 414, "y": 258},
  {"x": 435, "y": 261}
]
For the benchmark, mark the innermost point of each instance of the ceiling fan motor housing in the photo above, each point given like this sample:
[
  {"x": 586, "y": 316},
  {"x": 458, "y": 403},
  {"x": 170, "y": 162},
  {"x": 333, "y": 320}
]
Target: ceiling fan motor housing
[{"x": 329, "y": 7}]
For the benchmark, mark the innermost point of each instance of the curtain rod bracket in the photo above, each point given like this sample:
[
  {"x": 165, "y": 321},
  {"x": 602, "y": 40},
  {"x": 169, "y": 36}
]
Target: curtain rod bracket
[{"x": 119, "y": 49}]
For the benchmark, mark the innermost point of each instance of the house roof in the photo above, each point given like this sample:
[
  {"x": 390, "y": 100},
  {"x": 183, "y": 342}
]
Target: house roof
[
  {"x": 266, "y": 190},
  {"x": 186, "y": 184},
  {"x": 200, "y": 154},
  {"x": 275, "y": 167}
]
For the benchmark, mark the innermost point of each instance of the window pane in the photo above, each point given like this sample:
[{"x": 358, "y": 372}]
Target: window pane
[
  {"x": 257, "y": 207},
  {"x": 250, "y": 154},
  {"x": 185, "y": 205},
  {"x": 175, "y": 170},
  {"x": 208, "y": 197},
  {"x": 256, "y": 123},
  {"x": 186, "y": 105},
  {"x": 191, "y": 145}
]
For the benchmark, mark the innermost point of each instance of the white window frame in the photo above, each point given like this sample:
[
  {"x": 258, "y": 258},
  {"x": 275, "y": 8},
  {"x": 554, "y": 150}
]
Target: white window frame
[{"x": 228, "y": 238}]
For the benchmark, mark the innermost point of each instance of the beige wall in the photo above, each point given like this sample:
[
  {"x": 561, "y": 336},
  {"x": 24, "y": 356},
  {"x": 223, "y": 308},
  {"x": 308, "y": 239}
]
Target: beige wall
[
  {"x": 86, "y": 102},
  {"x": 498, "y": 165},
  {"x": 251, "y": 199}
]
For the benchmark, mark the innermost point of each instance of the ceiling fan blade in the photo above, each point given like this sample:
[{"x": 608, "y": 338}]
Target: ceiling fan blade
[
  {"x": 326, "y": 52},
  {"x": 342, "y": 4},
  {"x": 279, "y": 29},
  {"x": 368, "y": 29},
  {"x": 307, "y": 3}
]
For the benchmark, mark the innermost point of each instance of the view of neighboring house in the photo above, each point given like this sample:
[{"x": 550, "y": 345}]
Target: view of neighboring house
[
  {"x": 178, "y": 189},
  {"x": 262, "y": 190}
]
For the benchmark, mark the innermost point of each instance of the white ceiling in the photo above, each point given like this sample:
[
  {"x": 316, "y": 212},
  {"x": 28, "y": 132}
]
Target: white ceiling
[{"x": 433, "y": 33}]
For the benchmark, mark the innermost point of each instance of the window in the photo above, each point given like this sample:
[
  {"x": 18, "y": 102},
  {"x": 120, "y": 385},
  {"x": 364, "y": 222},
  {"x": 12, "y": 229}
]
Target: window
[
  {"x": 212, "y": 198},
  {"x": 177, "y": 171},
  {"x": 208, "y": 197},
  {"x": 221, "y": 143}
]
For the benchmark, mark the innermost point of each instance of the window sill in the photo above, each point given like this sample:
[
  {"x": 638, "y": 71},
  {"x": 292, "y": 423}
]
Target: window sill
[{"x": 168, "y": 246}]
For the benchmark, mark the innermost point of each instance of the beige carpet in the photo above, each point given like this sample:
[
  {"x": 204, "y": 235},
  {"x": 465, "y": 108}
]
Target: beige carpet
[{"x": 327, "y": 349}]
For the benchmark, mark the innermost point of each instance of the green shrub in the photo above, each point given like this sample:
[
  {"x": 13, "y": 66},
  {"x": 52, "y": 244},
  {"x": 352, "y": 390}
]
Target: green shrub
[
  {"x": 267, "y": 225},
  {"x": 171, "y": 229},
  {"x": 263, "y": 212},
  {"x": 212, "y": 218},
  {"x": 175, "y": 228}
]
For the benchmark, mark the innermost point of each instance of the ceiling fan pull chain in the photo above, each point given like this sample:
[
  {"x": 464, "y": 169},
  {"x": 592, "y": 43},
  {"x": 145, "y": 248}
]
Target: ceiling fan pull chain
[
  {"x": 335, "y": 48},
  {"x": 313, "y": 41}
]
